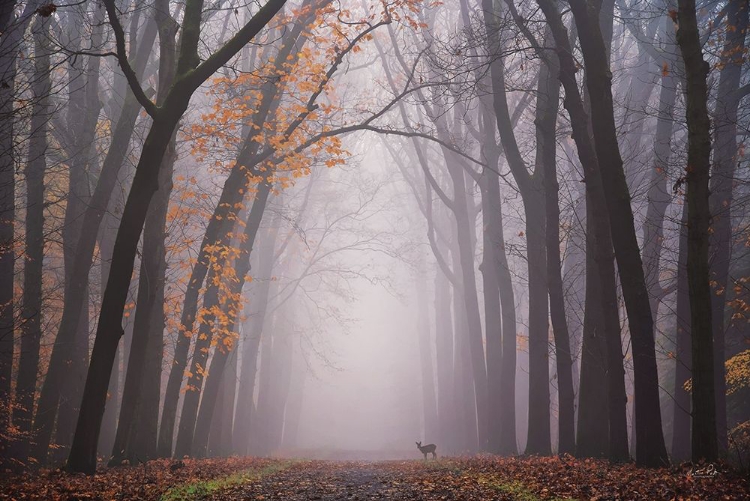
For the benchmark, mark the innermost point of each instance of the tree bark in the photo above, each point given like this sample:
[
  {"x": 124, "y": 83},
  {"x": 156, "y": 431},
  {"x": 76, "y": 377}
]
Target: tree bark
[
  {"x": 566, "y": 399},
  {"x": 444, "y": 357},
  {"x": 197, "y": 421},
  {"x": 531, "y": 189},
  {"x": 704, "y": 438},
  {"x": 190, "y": 75},
  {"x": 82, "y": 118},
  {"x": 143, "y": 374},
  {"x": 31, "y": 309},
  {"x": 429, "y": 403},
  {"x": 721, "y": 193},
  {"x": 251, "y": 343},
  {"x": 650, "y": 448},
  {"x": 593, "y": 429},
  {"x": 658, "y": 194},
  {"x": 12, "y": 29},
  {"x": 597, "y": 211},
  {"x": 75, "y": 286},
  {"x": 683, "y": 364}
]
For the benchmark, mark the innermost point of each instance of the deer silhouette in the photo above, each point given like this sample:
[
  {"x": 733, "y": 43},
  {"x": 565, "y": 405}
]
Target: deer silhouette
[{"x": 426, "y": 449}]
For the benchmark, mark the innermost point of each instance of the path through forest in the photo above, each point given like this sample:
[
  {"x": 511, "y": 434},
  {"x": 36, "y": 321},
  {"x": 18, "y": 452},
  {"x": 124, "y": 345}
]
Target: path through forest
[
  {"x": 482, "y": 477},
  {"x": 352, "y": 480}
]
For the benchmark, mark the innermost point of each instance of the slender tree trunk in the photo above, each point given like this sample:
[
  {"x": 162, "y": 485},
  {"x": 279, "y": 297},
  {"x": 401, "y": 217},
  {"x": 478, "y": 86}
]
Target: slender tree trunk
[
  {"x": 593, "y": 429},
  {"x": 650, "y": 448},
  {"x": 492, "y": 313},
  {"x": 293, "y": 411},
  {"x": 531, "y": 188},
  {"x": 444, "y": 356},
  {"x": 696, "y": 175},
  {"x": 507, "y": 388},
  {"x": 251, "y": 343},
  {"x": 75, "y": 287},
  {"x": 191, "y": 73},
  {"x": 429, "y": 403},
  {"x": 198, "y": 421},
  {"x": 31, "y": 310},
  {"x": 108, "y": 233},
  {"x": 600, "y": 249},
  {"x": 683, "y": 364},
  {"x": 259, "y": 432},
  {"x": 721, "y": 193},
  {"x": 462, "y": 254},
  {"x": 12, "y": 29},
  {"x": 546, "y": 125},
  {"x": 658, "y": 194},
  {"x": 228, "y": 390},
  {"x": 278, "y": 389},
  {"x": 143, "y": 374}
]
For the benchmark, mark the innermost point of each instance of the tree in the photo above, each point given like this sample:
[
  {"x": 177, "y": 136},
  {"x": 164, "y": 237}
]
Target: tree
[
  {"x": 698, "y": 217},
  {"x": 36, "y": 167},
  {"x": 650, "y": 448},
  {"x": 190, "y": 74}
]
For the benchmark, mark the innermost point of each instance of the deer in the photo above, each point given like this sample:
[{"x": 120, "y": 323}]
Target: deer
[{"x": 426, "y": 449}]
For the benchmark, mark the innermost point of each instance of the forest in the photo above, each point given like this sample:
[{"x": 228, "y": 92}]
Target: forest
[{"x": 257, "y": 249}]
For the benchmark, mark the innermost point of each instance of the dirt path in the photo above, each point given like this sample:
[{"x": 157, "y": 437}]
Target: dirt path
[{"x": 353, "y": 480}]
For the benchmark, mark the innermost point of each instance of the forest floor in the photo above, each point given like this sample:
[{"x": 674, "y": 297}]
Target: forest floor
[{"x": 471, "y": 478}]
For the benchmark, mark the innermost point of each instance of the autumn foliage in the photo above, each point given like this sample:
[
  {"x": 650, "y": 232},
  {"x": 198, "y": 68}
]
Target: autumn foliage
[{"x": 477, "y": 478}]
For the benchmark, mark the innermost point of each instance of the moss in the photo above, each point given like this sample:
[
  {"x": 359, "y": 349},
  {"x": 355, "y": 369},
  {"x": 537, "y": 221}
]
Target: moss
[
  {"x": 204, "y": 488},
  {"x": 518, "y": 490}
]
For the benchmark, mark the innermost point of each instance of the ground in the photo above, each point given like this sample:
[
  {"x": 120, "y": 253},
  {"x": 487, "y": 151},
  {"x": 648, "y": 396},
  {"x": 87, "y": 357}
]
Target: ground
[{"x": 470, "y": 478}]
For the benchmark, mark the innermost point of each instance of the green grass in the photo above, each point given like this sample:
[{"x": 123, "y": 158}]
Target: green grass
[
  {"x": 202, "y": 489},
  {"x": 519, "y": 491}
]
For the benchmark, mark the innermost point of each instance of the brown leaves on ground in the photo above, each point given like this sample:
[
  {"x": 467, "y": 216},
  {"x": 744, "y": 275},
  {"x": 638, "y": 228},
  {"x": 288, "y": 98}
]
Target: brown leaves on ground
[
  {"x": 475, "y": 478},
  {"x": 599, "y": 480},
  {"x": 148, "y": 481}
]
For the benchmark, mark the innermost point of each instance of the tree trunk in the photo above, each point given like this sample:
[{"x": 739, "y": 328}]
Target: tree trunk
[
  {"x": 546, "y": 125},
  {"x": 198, "y": 421},
  {"x": 228, "y": 389},
  {"x": 465, "y": 386},
  {"x": 12, "y": 29},
  {"x": 429, "y": 404},
  {"x": 143, "y": 375},
  {"x": 75, "y": 286},
  {"x": 82, "y": 117},
  {"x": 696, "y": 177},
  {"x": 599, "y": 248},
  {"x": 293, "y": 411},
  {"x": 107, "y": 236},
  {"x": 658, "y": 194},
  {"x": 722, "y": 178},
  {"x": 508, "y": 368},
  {"x": 531, "y": 189},
  {"x": 31, "y": 310},
  {"x": 444, "y": 357},
  {"x": 251, "y": 343},
  {"x": 593, "y": 429},
  {"x": 650, "y": 448},
  {"x": 492, "y": 313},
  {"x": 683, "y": 364}
]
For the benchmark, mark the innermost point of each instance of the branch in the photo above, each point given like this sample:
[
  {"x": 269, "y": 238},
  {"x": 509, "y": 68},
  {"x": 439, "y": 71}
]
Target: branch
[
  {"x": 122, "y": 58},
  {"x": 195, "y": 78}
]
